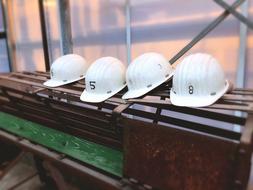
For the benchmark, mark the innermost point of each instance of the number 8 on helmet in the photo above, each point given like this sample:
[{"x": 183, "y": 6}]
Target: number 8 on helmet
[{"x": 198, "y": 81}]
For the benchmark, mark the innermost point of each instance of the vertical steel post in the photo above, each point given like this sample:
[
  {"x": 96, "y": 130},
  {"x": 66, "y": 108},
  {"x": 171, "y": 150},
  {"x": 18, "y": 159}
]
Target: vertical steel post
[
  {"x": 240, "y": 78},
  {"x": 65, "y": 27},
  {"x": 7, "y": 21},
  {"x": 205, "y": 31},
  {"x": 44, "y": 34},
  {"x": 128, "y": 31},
  {"x": 242, "y": 54}
]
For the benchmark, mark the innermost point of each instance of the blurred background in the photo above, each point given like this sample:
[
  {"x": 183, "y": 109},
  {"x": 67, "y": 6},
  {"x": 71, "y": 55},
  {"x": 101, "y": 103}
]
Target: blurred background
[
  {"x": 123, "y": 29},
  {"x": 99, "y": 29}
]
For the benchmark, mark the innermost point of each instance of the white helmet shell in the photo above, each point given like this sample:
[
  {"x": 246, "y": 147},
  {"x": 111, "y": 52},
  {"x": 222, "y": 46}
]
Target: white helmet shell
[
  {"x": 67, "y": 69},
  {"x": 145, "y": 73},
  {"x": 104, "y": 78},
  {"x": 199, "y": 81}
]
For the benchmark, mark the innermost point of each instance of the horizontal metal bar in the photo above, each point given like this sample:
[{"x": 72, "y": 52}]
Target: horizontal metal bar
[
  {"x": 231, "y": 96},
  {"x": 242, "y": 107},
  {"x": 37, "y": 73},
  {"x": 68, "y": 127},
  {"x": 42, "y": 79},
  {"x": 243, "y": 89},
  {"x": 40, "y": 85},
  {"x": 52, "y": 108},
  {"x": 244, "y": 93},
  {"x": 186, "y": 124},
  {"x": 202, "y": 112}
]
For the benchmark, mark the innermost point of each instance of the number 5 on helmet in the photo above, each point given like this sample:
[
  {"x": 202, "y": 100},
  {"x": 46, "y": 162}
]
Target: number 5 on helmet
[{"x": 104, "y": 78}]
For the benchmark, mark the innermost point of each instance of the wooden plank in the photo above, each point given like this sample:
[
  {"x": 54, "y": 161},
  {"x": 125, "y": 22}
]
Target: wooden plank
[{"x": 99, "y": 156}]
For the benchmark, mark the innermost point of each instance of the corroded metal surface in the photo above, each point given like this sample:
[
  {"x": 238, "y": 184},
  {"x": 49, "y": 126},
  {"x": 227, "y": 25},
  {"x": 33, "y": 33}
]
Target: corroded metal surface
[
  {"x": 164, "y": 146},
  {"x": 168, "y": 158}
]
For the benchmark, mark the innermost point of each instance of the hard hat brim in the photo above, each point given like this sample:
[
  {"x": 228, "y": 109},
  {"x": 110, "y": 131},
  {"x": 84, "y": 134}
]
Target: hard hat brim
[
  {"x": 54, "y": 83},
  {"x": 140, "y": 92},
  {"x": 199, "y": 101},
  {"x": 97, "y": 98},
  {"x": 136, "y": 93}
]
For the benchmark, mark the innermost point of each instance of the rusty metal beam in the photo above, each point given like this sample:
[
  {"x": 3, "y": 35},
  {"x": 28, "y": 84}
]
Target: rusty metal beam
[{"x": 243, "y": 159}]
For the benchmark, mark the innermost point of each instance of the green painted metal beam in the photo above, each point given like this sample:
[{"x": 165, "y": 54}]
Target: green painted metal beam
[{"x": 102, "y": 157}]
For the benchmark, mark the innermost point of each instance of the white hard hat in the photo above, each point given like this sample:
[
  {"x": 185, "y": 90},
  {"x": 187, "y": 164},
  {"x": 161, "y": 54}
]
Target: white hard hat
[
  {"x": 199, "y": 81},
  {"x": 67, "y": 69},
  {"x": 104, "y": 78},
  {"x": 145, "y": 73}
]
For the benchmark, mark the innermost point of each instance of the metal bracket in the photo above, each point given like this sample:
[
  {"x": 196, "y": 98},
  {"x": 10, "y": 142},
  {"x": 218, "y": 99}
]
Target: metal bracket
[{"x": 116, "y": 113}]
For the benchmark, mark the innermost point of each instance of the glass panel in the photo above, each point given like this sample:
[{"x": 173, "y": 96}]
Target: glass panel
[
  {"x": 167, "y": 26},
  {"x": 29, "y": 52},
  {"x": 98, "y": 28},
  {"x": 4, "y": 63}
]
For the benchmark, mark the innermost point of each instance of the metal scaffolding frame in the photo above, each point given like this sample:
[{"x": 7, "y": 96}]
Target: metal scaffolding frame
[
  {"x": 5, "y": 35},
  {"x": 65, "y": 27},
  {"x": 23, "y": 95},
  {"x": 67, "y": 44}
]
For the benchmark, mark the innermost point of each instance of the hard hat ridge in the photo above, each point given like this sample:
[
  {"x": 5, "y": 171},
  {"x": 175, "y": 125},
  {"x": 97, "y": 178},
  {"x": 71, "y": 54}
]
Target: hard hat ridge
[
  {"x": 105, "y": 78},
  {"x": 198, "y": 81},
  {"x": 67, "y": 69},
  {"x": 145, "y": 73}
]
